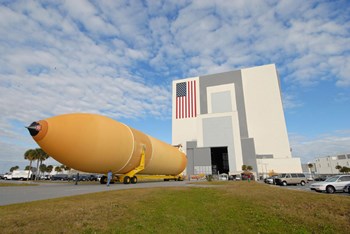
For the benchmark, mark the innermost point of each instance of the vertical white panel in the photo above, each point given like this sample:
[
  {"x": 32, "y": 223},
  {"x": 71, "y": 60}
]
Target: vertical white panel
[{"x": 264, "y": 111}]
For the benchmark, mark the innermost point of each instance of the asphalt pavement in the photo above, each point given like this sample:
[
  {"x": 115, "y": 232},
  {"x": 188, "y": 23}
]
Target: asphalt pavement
[{"x": 19, "y": 194}]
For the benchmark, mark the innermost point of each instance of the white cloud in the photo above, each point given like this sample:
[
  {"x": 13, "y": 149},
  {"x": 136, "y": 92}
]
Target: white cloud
[
  {"x": 290, "y": 101},
  {"x": 309, "y": 148}
]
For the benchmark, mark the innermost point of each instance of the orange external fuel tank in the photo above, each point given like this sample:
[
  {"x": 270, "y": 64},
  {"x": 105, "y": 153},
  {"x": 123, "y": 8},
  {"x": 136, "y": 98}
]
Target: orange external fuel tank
[{"x": 95, "y": 143}]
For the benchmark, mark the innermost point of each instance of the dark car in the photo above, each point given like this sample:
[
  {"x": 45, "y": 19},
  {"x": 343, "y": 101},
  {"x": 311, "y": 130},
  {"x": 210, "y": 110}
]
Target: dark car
[
  {"x": 84, "y": 177},
  {"x": 270, "y": 180},
  {"x": 59, "y": 177},
  {"x": 347, "y": 189},
  {"x": 93, "y": 177},
  {"x": 321, "y": 178}
]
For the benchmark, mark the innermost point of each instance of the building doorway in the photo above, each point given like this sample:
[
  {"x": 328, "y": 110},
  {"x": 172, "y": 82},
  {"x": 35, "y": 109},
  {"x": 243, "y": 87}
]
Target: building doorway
[{"x": 219, "y": 160}]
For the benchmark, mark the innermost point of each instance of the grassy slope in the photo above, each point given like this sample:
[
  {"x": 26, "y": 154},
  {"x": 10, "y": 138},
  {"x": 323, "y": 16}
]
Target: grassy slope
[{"x": 237, "y": 207}]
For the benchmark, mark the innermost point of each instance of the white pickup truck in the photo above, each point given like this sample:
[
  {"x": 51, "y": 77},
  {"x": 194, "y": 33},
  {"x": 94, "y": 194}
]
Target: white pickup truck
[
  {"x": 8, "y": 176},
  {"x": 21, "y": 174}
]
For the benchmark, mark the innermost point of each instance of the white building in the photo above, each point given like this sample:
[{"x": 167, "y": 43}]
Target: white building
[
  {"x": 229, "y": 119},
  {"x": 327, "y": 164}
]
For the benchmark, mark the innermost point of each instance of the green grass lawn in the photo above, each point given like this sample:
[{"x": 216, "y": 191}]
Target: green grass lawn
[{"x": 234, "y": 207}]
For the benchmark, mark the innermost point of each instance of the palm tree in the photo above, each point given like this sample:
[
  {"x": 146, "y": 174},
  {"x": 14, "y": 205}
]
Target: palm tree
[
  {"x": 41, "y": 156},
  {"x": 49, "y": 168},
  {"x": 58, "y": 169},
  {"x": 310, "y": 166},
  {"x": 65, "y": 168},
  {"x": 43, "y": 168},
  {"x": 14, "y": 168},
  {"x": 338, "y": 167},
  {"x": 244, "y": 167},
  {"x": 249, "y": 168},
  {"x": 345, "y": 169},
  {"x": 31, "y": 156}
]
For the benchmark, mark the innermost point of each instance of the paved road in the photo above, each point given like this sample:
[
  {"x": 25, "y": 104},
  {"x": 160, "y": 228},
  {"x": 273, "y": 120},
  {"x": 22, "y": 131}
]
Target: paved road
[{"x": 20, "y": 194}]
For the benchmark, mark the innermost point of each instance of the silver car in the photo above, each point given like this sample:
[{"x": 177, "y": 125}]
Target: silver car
[
  {"x": 332, "y": 184},
  {"x": 347, "y": 188}
]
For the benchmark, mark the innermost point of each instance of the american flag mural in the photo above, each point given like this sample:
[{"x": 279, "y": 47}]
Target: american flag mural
[{"x": 186, "y": 106}]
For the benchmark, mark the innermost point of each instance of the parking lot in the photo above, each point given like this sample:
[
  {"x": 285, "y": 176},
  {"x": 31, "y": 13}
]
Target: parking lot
[{"x": 306, "y": 188}]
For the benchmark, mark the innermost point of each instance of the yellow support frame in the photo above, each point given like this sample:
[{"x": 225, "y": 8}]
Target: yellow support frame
[{"x": 130, "y": 176}]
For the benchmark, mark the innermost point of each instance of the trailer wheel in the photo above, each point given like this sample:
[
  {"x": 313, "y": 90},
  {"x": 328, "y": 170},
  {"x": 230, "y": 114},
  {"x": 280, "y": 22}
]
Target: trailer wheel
[
  {"x": 126, "y": 180},
  {"x": 133, "y": 180}
]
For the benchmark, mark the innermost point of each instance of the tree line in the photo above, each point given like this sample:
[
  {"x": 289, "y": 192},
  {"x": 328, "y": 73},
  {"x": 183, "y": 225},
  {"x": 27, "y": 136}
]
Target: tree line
[{"x": 39, "y": 155}]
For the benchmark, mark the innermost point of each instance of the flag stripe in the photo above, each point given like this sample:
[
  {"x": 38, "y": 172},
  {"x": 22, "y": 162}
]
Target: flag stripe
[
  {"x": 183, "y": 104},
  {"x": 192, "y": 109},
  {"x": 176, "y": 109},
  {"x": 188, "y": 99},
  {"x": 195, "y": 103}
]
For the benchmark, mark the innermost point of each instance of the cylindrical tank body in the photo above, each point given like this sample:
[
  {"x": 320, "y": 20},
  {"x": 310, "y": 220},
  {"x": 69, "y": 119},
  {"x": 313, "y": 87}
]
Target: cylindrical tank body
[{"x": 97, "y": 144}]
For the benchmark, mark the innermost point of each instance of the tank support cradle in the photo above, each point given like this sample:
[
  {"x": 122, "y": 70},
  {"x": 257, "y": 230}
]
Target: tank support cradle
[{"x": 130, "y": 176}]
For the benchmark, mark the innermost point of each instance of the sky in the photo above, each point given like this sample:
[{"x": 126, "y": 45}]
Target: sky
[{"x": 119, "y": 58}]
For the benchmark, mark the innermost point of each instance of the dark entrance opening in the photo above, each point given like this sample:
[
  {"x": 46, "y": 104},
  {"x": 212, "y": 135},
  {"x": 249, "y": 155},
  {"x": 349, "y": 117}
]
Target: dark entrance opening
[{"x": 219, "y": 160}]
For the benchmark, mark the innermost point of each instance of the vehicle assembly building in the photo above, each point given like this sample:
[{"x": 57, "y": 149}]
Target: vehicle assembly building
[{"x": 233, "y": 118}]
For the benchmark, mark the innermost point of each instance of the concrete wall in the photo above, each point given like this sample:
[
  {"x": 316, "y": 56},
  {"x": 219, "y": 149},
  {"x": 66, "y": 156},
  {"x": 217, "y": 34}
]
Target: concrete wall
[
  {"x": 279, "y": 165},
  {"x": 217, "y": 80},
  {"x": 199, "y": 159},
  {"x": 326, "y": 165},
  {"x": 248, "y": 151}
]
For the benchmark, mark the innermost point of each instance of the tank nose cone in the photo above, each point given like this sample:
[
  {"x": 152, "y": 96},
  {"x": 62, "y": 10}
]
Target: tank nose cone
[{"x": 34, "y": 128}]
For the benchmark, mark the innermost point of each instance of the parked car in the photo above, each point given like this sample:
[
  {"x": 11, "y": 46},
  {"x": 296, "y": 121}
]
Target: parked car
[
  {"x": 83, "y": 177},
  {"x": 291, "y": 178},
  {"x": 320, "y": 178},
  {"x": 234, "y": 177},
  {"x": 310, "y": 178},
  {"x": 223, "y": 176},
  {"x": 270, "y": 180},
  {"x": 45, "y": 177},
  {"x": 8, "y": 176},
  {"x": 347, "y": 189},
  {"x": 332, "y": 184},
  {"x": 93, "y": 177},
  {"x": 59, "y": 177}
]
